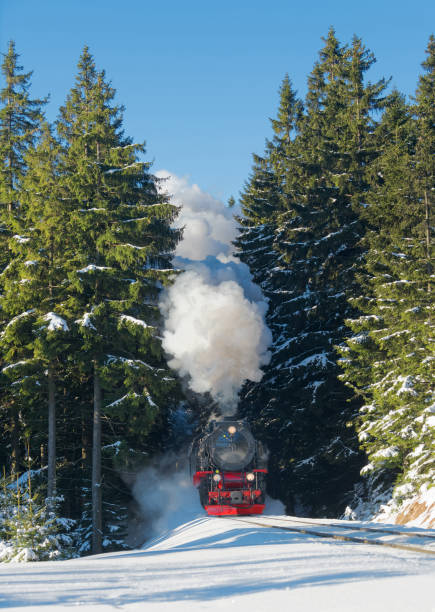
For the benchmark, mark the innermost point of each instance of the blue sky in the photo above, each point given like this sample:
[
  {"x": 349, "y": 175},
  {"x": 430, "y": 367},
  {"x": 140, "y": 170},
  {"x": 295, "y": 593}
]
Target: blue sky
[{"x": 199, "y": 79}]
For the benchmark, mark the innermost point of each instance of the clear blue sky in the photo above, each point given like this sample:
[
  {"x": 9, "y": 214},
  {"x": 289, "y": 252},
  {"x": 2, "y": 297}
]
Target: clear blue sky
[{"x": 199, "y": 79}]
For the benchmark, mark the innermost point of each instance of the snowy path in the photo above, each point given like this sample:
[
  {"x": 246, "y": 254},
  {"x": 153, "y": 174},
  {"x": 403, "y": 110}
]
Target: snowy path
[{"x": 217, "y": 564}]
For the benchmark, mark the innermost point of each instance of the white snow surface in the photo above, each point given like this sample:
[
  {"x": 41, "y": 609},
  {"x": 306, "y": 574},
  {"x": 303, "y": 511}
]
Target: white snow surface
[
  {"x": 424, "y": 500},
  {"x": 204, "y": 563}
]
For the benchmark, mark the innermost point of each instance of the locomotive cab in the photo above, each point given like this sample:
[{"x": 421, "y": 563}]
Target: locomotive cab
[{"x": 229, "y": 469}]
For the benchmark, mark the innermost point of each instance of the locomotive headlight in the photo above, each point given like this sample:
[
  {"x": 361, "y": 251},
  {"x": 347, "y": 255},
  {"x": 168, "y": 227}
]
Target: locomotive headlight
[
  {"x": 217, "y": 477},
  {"x": 250, "y": 476},
  {"x": 231, "y": 430}
]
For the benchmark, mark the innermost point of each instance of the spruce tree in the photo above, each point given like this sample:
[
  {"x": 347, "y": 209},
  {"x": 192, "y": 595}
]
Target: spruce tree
[
  {"x": 35, "y": 282},
  {"x": 264, "y": 196},
  {"x": 262, "y": 203},
  {"x": 32, "y": 531},
  {"x": 20, "y": 120},
  {"x": 121, "y": 243},
  {"x": 389, "y": 358},
  {"x": 301, "y": 405}
]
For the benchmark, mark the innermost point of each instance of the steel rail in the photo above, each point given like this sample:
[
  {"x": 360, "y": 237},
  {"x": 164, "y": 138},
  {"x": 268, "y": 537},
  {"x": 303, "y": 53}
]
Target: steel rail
[
  {"x": 322, "y": 534},
  {"x": 359, "y": 528}
]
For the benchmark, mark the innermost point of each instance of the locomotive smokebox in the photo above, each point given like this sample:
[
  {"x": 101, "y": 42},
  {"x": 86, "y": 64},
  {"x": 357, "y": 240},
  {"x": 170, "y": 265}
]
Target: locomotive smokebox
[{"x": 231, "y": 445}]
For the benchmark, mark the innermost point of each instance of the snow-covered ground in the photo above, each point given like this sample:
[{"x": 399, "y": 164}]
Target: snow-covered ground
[{"x": 220, "y": 564}]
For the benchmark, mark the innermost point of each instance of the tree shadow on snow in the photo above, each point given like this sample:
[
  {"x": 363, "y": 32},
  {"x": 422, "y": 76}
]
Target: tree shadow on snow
[
  {"x": 102, "y": 594},
  {"x": 108, "y": 580}
]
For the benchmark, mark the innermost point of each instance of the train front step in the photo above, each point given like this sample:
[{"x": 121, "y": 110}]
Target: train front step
[{"x": 237, "y": 509}]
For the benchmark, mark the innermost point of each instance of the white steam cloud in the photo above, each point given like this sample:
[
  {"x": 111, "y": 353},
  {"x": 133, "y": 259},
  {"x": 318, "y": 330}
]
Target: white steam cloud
[
  {"x": 214, "y": 314},
  {"x": 209, "y": 226},
  {"x": 166, "y": 500}
]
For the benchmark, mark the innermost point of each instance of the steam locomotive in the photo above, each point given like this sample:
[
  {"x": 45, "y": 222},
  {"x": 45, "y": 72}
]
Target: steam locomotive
[{"x": 229, "y": 468}]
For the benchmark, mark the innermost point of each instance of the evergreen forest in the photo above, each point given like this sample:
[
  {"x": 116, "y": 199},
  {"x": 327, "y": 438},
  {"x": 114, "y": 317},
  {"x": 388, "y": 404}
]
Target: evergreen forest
[{"x": 336, "y": 227}]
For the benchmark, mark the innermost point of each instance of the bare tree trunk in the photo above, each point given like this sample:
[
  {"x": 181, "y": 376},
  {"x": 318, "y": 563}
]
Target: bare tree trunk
[
  {"x": 427, "y": 228},
  {"x": 51, "y": 488},
  {"x": 11, "y": 180},
  {"x": 84, "y": 441},
  {"x": 96, "y": 469},
  {"x": 15, "y": 443}
]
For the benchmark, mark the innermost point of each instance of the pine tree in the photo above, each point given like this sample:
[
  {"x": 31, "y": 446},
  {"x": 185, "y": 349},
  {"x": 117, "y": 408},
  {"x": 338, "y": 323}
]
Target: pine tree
[
  {"x": 33, "y": 291},
  {"x": 259, "y": 203},
  {"x": 301, "y": 405},
  {"x": 20, "y": 120},
  {"x": 120, "y": 246},
  {"x": 284, "y": 126},
  {"x": 31, "y": 530},
  {"x": 264, "y": 195},
  {"x": 389, "y": 358},
  {"x": 262, "y": 202}
]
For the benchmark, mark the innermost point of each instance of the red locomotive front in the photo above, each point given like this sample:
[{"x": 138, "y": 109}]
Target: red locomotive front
[{"x": 229, "y": 469}]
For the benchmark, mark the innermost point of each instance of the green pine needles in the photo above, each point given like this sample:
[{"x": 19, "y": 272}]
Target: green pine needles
[
  {"x": 89, "y": 244},
  {"x": 31, "y": 530},
  {"x": 389, "y": 361},
  {"x": 336, "y": 228}
]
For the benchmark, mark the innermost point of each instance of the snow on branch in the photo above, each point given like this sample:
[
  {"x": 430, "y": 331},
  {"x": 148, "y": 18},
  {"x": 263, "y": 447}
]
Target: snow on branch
[
  {"x": 20, "y": 239},
  {"x": 113, "y": 170},
  {"x": 132, "y": 395},
  {"x": 122, "y": 399},
  {"x": 55, "y": 322},
  {"x": 20, "y": 316},
  {"x": 15, "y": 365},
  {"x": 85, "y": 321},
  {"x": 92, "y": 268},
  {"x": 134, "y": 363},
  {"x": 134, "y": 321},
  {"x": 407, "y": 385},
  {"x": 131, "y": 246}
]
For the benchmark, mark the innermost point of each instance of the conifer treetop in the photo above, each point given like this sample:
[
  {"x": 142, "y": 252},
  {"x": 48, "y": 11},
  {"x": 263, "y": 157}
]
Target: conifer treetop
[
  {"x": 20, "y": 119},
  {"x": 426, "y": 86},
  {"x": 289, "y": 111}
]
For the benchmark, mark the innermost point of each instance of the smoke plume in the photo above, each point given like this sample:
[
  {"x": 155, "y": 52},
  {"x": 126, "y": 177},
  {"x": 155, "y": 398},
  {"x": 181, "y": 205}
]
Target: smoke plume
[
  {"x": 165, "y": 500},
  {"x": 209, "y": 226},
  {"x": 214, "y": 314}
]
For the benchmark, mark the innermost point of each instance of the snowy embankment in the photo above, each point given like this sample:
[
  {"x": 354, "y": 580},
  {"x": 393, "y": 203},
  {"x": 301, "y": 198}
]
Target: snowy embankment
[
  {"x": 415, "y": 511},
  {"x": 220, "y": 563},
  {"x": 418, "y": 511}
]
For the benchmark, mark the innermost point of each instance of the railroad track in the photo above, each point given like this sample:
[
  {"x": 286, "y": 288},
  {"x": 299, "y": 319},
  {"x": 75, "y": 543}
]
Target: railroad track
[
  {"x": 409, "y": 534},
  {"x": 326, "y": 535}
]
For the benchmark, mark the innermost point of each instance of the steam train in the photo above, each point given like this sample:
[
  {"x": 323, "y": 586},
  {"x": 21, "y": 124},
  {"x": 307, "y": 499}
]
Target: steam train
[{"x": 229, "y": 469}]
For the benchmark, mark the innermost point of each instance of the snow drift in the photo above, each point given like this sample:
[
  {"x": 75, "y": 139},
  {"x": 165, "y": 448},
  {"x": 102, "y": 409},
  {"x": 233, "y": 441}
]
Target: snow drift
[{"x": 214, "y": 314}]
